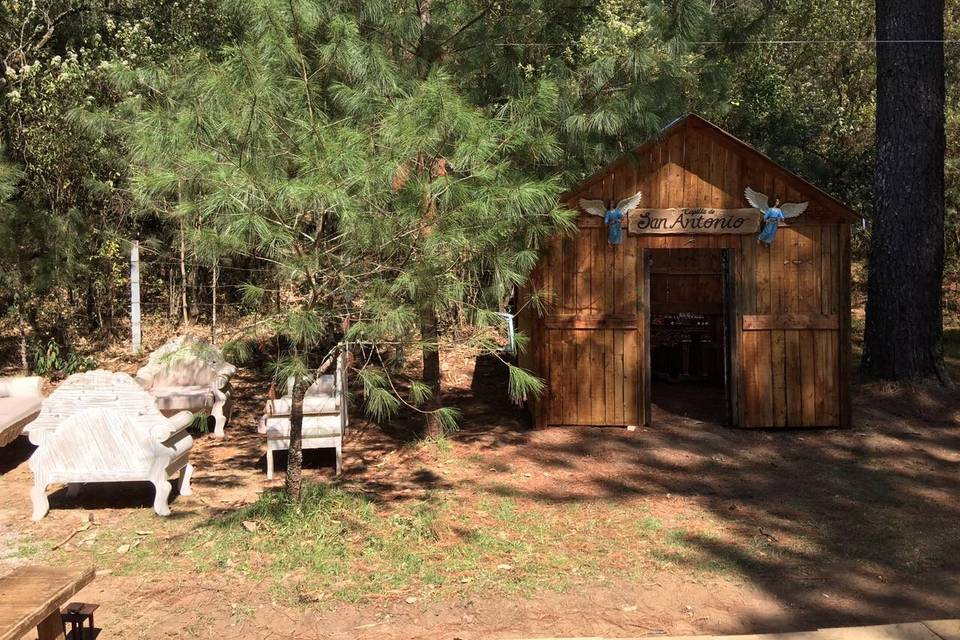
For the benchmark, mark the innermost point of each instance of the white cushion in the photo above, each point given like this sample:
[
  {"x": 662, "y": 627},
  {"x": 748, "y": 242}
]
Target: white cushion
[
  {"x": 313, "y": 427},
  {"x": 183, "y": 398},
  {"x": 320, "y": 397},
  {"x": 14, "y": 409},
  {"x": 15, "y": 413}
]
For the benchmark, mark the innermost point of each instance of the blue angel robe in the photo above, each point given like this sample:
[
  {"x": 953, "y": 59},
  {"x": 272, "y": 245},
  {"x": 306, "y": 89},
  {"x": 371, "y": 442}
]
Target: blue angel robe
[
  {"x": 771, "y": 220},
  {"x": 612, "y": 219}
]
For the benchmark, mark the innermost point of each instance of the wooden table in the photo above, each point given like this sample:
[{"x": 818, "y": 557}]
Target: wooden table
[{"x": 31, "y": 596}]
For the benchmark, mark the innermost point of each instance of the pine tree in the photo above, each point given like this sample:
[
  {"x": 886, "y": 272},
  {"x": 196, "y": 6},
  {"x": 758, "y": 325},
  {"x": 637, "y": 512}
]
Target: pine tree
[{"x": 306, "y": 149}]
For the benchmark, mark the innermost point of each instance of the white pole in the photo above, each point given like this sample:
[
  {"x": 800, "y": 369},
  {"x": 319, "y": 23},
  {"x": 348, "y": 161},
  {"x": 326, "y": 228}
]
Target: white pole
[{"x": 135, "y": 295}]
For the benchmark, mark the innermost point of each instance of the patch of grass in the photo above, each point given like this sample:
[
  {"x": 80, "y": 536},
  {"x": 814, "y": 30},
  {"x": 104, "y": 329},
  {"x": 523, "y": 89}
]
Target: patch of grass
[
  {"x": 649, "y": 526},
  {"x": 339, "y": 546}
]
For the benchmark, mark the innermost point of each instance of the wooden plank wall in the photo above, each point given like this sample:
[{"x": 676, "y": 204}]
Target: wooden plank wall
[{"x": 792, "y": 304}]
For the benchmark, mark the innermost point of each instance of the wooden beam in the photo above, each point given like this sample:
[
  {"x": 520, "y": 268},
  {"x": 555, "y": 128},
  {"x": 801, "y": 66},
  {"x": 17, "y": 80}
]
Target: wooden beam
[
  {"x": 591, "y": 321},
  {"x": 791, "y": 321}
]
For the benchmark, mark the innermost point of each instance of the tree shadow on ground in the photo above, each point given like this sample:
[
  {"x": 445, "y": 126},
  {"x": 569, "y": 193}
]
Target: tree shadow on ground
[{"x": 841, "y": 526}]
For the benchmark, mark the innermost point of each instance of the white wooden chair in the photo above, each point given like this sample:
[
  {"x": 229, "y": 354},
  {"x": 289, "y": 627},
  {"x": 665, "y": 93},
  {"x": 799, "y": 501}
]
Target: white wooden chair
[
  {"x": 190, "y": 374},
  {"x": 100, "y": 426},
  {"x": 20, "y": 402},
  {"x": 324, "y": 416}
]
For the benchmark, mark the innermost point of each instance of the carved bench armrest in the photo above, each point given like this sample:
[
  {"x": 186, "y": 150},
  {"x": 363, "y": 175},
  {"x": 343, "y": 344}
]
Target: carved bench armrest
[{"x": 181, "y": 420}]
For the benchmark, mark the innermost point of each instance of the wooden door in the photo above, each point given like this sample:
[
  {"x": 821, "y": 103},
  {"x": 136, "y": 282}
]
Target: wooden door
[
  {"x": 594, "y": 336},
  {"x": 791, "y": 301}
]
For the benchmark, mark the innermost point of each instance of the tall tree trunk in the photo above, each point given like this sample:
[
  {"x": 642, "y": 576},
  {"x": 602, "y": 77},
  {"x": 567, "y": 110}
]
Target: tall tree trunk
[
  {"x": 904, "y": 328},
  {"x": 293, "y": 482},
  {"x": 172, "y": 293},
  {"x": 90, "y": 304},
  {"x": 183, "y": 274},
  {"x": 22, "y": 328},
  {"x": 431, "y": 370},
  {"x": 213, "y": 302}
]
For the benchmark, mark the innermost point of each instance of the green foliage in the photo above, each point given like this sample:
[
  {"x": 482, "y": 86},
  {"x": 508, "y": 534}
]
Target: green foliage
[{"x": 50, "y": 361}]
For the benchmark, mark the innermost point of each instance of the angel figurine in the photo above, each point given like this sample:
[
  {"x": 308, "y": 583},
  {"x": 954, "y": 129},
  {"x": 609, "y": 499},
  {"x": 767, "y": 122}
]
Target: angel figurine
[
  {"x": 612, "y": 217},
  {"x": 772, "y": 215}
]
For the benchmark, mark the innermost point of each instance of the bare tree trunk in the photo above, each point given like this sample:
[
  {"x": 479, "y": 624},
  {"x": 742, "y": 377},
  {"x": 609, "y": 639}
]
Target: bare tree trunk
[
  {"x": 213, "y": 303},
  {"x": 91, "y": 305},
  {"x": 293, "y": 483},
  {"x": 431, "y": 371},
  {"x": 183, "y": 275},
  {"x": 904, "y": 328},
  {"x": 22, "y": 327},
  {"x": 172, "y": 293}
]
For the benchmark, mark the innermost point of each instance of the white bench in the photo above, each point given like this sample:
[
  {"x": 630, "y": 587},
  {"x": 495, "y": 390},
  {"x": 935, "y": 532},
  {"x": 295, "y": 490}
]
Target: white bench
[
  {"x": 190, "y": 374},
  {"x": 20, "y": 402},
  {"x": 324, "y": 417},
  {"x": 100, "y": 426}
]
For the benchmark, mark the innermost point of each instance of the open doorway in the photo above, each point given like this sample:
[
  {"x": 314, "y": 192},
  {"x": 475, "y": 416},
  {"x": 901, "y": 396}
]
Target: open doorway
[{"x": 689, "y": 333}]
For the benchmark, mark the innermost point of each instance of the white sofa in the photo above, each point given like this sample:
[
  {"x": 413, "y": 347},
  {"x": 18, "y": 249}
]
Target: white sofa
[
  {"x": 20, "y": 402},
  {"x": 100, "y": 426},
  {"x": 190, "y": 374},
  {"x": 324, "y": 417}
]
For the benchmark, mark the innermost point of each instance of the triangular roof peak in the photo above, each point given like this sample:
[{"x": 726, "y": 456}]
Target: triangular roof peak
[{"x": 694, "y": 121}]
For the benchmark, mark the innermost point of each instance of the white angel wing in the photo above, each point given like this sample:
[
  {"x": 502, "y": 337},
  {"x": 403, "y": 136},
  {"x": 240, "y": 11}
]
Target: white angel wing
[
  {"x": 793, "y": 209},
  {"x": 594, "y": 207},
  {"x": 628, "y": 204},
  {"x": 757, "y": 200}
]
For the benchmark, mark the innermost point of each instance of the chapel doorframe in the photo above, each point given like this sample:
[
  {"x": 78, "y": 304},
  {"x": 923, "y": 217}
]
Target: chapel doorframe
[{"x": 731, "y": 335}]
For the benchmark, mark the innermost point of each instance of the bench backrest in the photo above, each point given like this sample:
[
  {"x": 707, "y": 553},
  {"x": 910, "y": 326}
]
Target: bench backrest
[
  {"x": 118, "y": 392},
  {"x": 99, "y": 442},
  {"x": 185, "y": 361}
]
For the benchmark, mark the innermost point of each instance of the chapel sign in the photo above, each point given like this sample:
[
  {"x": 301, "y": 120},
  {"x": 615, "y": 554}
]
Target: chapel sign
[{"x": 693, "y": 220}]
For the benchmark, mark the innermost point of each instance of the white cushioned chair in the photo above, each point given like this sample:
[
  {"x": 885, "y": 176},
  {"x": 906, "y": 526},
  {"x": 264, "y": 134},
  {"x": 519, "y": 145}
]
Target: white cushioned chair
[
  {"x": 324, "y": 416},
  {"x": 20, "y": 402},
  {"x": 190, "y": 374}
]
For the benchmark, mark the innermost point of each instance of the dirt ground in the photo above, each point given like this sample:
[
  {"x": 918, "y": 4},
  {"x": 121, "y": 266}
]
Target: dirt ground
[{"x": 779, "y": 530}]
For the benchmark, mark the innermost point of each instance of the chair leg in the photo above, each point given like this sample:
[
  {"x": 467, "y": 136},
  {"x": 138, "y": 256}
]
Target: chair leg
[
  {"x": 41, "y": 505},
  {"x": 184, "y": 484},
  {"x": 163, "y": 486},
  {"x": 219, "y": 419},
  {"x": 269, "y": 463},
  {"x": 339, "y": 458}
]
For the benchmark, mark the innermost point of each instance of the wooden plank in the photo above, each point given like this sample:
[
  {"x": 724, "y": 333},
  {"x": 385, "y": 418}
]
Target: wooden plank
[
  {"x": 592, "y": 321},
  {"x": 571, "y": 382},
  {"x": 790, "y": 321},
  {"x": 752, "y": 411},
  {"x": 778, "y": 303},
  {"x": 826, "y": 268},
  {"x": 808, "y": 383},
  {"x": 618, "y": 377},
  {"x": 631, "y": 378},
  {"x": 752, "y": 254},
  {"x": 30, "y": 594},
  {"x": 557, "y": 372},
  {"x": 678, "y": 150},
  {"x": 778, "y": 360},
  {"x": 583, "y": 266},
  {"x": 794, "y": 381},
  {"x": 765, "y": 376},
  {"x": 629, "y": 301},
  {"x": 597, "y": 377},
  {"x": 806, "y": 273},
  {"x": 824, "y": 369}
]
